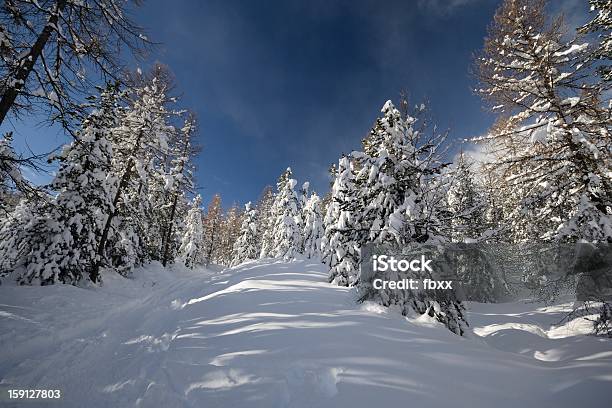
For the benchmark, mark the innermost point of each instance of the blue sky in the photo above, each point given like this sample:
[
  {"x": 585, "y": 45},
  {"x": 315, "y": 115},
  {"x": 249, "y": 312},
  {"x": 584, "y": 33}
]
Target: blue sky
[{"x": 297, "y": 83}]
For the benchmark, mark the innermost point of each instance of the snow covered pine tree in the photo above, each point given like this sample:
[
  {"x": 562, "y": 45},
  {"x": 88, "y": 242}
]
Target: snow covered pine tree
[
  {"x": 191, "y": 250},
  {"x": 313, "y": 226},
  {"x": 387, "y": 200},
  {"x": 245, "y": 247},
  {"x": 287, "y": 219},
  {"x": 265, "y": 222},
  {"x": 340, "y": 242},
  {"x": 59, "y": 242}
]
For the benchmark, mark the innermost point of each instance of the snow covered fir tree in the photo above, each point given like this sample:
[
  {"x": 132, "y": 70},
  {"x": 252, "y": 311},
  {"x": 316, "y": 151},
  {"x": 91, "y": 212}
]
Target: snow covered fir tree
[
  {"x": 212, "y": 234},
  {"x": 245, "y": 247}
]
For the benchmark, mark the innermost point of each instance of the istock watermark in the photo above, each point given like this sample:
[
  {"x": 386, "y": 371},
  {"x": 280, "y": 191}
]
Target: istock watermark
[
  {"x": 487, "y": 272},
  {"x": 384, "y": 263},
  {"x": 412, "y": 284}
]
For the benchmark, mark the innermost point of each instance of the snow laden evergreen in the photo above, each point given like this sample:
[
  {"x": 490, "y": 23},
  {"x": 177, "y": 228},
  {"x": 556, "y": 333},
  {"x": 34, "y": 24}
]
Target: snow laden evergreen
[
  {"x": 389, "y": 194},
  {"x": 178, "y": 180},
  {"x": 265, "y": 222},
  {"x": 465, "y": 202},
  {"x": 286, "y": 232},
  {"x": 477, "y": 267},
  {"x": 313, "y": 227},
  {"x": 59, "y": 243},
  {"x": 228, "y": 234},
  {"x": 245, "y": 247},
  {"x": 143, "y": 132},
  {"x": 141, "y": 140},
  {"x": 341, "y": 245},
  {"x": 191, "y": 249},
  {"x": 389, "y": 179},
  {"x": 302, "y": 200},
  {"x": 553, "y": 149}
]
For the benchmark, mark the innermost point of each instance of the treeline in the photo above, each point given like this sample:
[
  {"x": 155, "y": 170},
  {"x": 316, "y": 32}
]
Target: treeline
[
  {"x": 282, "y": 225},
  {"x": 119, "y": 197},
  {"x": 122, "y": 190}
]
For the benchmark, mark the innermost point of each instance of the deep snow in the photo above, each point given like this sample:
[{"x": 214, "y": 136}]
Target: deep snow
[{"x": 272, "y": 334}]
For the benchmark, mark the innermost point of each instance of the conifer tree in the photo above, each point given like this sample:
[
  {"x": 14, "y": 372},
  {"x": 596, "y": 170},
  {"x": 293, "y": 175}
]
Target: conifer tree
[
  {"x": 191, "y": 249},
  {"x": 465, "y": 202},
  {"x": 553, "y": 145},
  {"x": 286, "y": 232},
  {"x": 229, "y": 232},
  {"x": 178, "y": 181},
  {"x": 341, "y": 243},
  {"x": 302, "y": 200},
  {"x": 212, "y": 230},
  {"x": 313, "y": 226},
  {"x": 390, "y": 193},
  {"x": 12, "y": 183},
  {"x": 59, "y": 242},
  {"x": 554, "y": 148},
  {"x": 141, "y": 138},
  {"x": 265, "y": 222},
  {"x": 245, "y": 247},
  {"x": 602, "y": 25},
  {"x": 50, "y": 50}
]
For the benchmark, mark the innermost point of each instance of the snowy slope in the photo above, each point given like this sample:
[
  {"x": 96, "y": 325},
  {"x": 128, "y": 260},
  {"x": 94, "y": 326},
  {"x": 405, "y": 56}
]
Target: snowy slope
[{"x": 277, "y": 335}]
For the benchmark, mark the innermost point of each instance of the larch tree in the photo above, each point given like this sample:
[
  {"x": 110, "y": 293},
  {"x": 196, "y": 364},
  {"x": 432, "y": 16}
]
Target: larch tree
[
  {"x": 230, "y": 231},
  {"x": 143, "y": 134},
  {"x": 50, "y": 49},
  {"x": 555, "y": 148},
  {"x": 212, "y": 230},
  {"x": 178, "y": 182},
  {"x": 601, "y": 24}
]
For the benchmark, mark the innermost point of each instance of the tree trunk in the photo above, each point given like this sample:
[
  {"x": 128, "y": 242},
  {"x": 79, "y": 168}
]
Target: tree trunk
[
  {"x": 169, "y": 233},
  {"x": 95, "y": 272},
  {"x": 27, "y": 62},
  {"x": 213, "y": 233}
]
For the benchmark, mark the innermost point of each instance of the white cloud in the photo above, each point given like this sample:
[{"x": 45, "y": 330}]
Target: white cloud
[
  {"x": 444, "y": 7},
  {"x": 479, "y": 152},
  {"x": 575, "y": 12}
]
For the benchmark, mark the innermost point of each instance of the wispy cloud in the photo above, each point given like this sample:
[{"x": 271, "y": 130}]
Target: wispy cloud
[
  {"x": 444, "y": 8},
  {"x": 575, "y": 12}
]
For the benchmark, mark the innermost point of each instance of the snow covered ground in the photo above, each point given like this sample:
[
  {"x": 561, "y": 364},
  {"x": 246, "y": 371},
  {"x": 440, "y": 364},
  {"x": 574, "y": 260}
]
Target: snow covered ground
[{"x": 277, "y": 335}]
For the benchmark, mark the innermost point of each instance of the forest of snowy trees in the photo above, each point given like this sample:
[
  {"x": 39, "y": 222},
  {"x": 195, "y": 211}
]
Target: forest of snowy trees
[{"x": 123, "y": 194}]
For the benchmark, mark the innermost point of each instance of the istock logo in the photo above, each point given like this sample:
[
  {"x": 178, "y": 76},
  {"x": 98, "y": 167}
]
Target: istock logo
[{"x": 383, "y": 263}]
